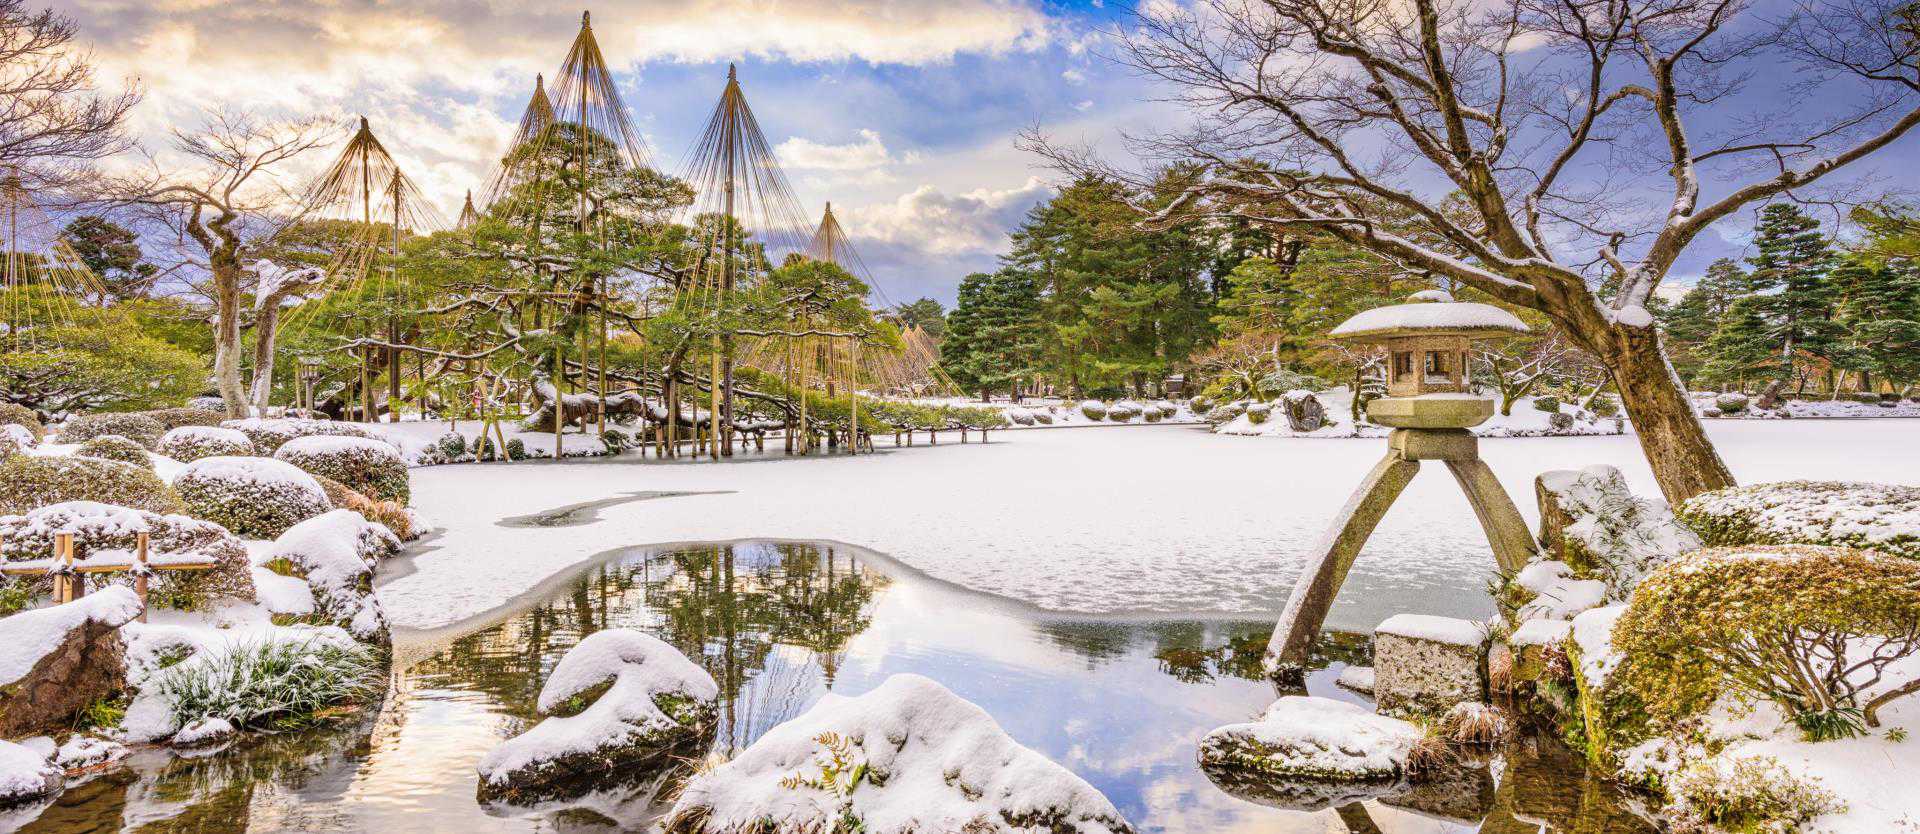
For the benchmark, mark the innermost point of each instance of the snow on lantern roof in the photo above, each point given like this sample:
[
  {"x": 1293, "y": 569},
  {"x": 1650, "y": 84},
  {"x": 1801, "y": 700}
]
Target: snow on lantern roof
[{"x": 1429, "y": 313}]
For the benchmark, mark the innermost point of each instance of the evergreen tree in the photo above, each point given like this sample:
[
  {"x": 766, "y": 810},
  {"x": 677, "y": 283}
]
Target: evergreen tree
[
  {"x": 1743, "y": 347},
  {"x": 112, "y": 254},
  {"x": 1881, "y": 317},
  {"x": 1797, "y": 299},
  {"x": 993, "y": 332},
  {"x": 1692, "y": 321}
]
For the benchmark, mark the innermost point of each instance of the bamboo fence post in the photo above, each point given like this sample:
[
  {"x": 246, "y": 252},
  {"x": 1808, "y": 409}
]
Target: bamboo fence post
[
  {"x": 63, "y": 562},
  {"x": 140, "y": 541}
]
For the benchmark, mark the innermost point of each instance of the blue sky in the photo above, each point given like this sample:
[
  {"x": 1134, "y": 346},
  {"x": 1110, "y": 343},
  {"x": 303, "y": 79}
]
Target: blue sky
[{"x": 901, "y": 112}]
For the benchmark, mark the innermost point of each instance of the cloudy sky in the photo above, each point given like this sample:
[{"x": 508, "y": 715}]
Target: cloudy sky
[{"x": 901, "y": 113}]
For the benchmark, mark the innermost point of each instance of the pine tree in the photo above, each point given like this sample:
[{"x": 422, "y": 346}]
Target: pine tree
[
  {"x": 1790, "y": 272},
  {"x": 1692, "y": 321},
  {"x": 1742, "y": 347},
  {"x": 992, "y": 333},
  {"x": 1881, "y": 319}
]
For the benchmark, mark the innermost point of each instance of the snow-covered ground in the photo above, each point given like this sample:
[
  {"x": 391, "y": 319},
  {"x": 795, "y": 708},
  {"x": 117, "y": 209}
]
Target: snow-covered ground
[
  {"x": 1827, "y": 409},
  {"x": 1526, "y": 420},
  {"x": 1149, "y": 519}
]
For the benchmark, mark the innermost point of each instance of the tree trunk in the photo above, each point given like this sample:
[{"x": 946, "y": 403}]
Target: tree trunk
[
  {"x": 266, "y": 328},
  {"x": 1676, "y": 445},
  {"x": 226, "y": 335}
]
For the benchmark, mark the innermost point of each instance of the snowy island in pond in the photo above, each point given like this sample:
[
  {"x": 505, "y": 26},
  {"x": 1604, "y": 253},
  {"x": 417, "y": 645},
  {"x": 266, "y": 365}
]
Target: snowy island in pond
[
  {"x": 907, "y": 757},
  {"x": 620, "y": 702},
  {"x": 1310, "y": 753}
]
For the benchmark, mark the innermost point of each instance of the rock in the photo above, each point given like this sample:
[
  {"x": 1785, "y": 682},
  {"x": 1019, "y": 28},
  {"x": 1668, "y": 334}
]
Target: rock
[
  {"x": 1424, "y": 664},
  {"x": 204, "y": 732},
  {"x": 1591, "y": 521},
  {"x": 55, "y": 661},
  {"x": 88, "y": 751},
  {"x": 1020, "y": 416},
  {"x": 1868, "y": 516},
  {"x": 26, "y": 775},
  {"x": 1304, "y": 411},
  {"x": 1257, "y": 412},
  {"x": 648, "y": 704},
  {"x": 1356, "y": 678},
  {"x": 1317, "y": 739},
  {"x": 913, "y": 757},
  {"x": 1560, "y": 421},
  {"x": 335, "y": 553}
]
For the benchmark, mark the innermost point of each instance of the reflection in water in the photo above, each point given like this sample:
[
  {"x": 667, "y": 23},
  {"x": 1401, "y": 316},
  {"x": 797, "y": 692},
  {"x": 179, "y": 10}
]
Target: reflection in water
[{"x": 1123, "y": 703}]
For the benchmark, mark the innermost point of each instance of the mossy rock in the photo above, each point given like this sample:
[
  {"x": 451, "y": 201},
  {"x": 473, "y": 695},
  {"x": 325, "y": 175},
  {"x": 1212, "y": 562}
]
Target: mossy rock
[
  {"x": 133, "y": 426},
  {"x": 28, "y": 482},
  {"x": 115, "y": 447},
  {"x": 20, "y": 415}
]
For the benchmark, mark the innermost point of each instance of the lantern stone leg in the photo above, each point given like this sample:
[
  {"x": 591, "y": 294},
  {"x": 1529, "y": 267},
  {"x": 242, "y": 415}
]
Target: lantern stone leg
[
  {"x": 1506, "y": 530},
  {"x": 1326, "y": 570}
]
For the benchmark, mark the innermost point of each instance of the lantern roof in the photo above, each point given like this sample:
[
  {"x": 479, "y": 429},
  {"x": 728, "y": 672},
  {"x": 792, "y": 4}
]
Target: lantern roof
[{"x": 1429, "y": 313}]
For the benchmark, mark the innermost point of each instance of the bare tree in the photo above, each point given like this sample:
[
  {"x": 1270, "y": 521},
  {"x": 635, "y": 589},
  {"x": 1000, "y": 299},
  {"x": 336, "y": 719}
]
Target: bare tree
[
  {"x": 1535, "y": 150},
  {"x": 52, "y": 124},
  {"x": 229, "y": 205}
]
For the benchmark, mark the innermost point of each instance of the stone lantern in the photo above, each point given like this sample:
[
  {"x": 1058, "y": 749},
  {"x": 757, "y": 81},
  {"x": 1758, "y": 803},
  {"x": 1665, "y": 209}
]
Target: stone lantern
[{"x": 1430, "y": 404}]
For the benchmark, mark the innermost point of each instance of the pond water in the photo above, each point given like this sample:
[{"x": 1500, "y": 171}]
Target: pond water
[{"x": 1122, "y": 703}]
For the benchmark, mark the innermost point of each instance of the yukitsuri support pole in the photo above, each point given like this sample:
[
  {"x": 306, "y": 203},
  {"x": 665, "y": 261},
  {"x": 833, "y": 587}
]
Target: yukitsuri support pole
[
  {"x": 853, "y": 397},
  {"x": 1326, "y": 569}
]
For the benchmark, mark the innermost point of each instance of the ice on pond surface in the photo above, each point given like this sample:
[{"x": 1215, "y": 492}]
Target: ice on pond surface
[{"x": 1120, "y": 702}]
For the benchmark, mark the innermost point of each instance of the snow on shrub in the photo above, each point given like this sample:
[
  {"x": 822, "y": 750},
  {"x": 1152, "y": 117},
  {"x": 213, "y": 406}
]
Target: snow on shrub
[
  {"x": 282, "y": 679},
  {"x": 1749, "y": 793},
  {"x": 1124, "y": 411},
  {"x": 115, "y": 447},
  {"x": 620, "y": 700},
  {"x": 133, "y": 426},
  {"x": 254, "y": 497},
  {"x": 106, "y": 533},
  {"x": 268, "y": 434},
  {"x": 1020, "y": 416},
  {"x": 1605, "y": 532},
  {"x": 190, "y": 443},
  {"x": 395, "y": 517},
  {"x": 909, "y": 756},
  {"x": 14, "y": 439},
  {"x": 14, "y": 414},
  {"x": 373, "y": 468},
  {"x": 1094, "y": 410},
  {"x": 1881, "y": 517},
  {"x": 1257, "y": 413},
  {"x": 27, "y": 482},
  {"x": 208, "y": 402},
  {"x": 1808, "y": 628},
  {"x": 174, "y": 418},
  {"x": 1730, "y": 403},
  {"x": 336, "y": 553},
  {"x": 1222, "y": 414},
  {"x": 1044, "y": 418},
  {"x": 452, "y": 446}
]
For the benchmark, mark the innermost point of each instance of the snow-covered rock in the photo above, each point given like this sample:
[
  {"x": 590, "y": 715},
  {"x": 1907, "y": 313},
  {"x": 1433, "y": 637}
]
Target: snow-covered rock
[
  {"x": 908, "y": 756},
  {"x": 1425, "y": 664},
  {"x": 54, "y": 661},
  {"x": 1554, "y": 592},
  {"x": 1593, "y": 523},
  {"x": 82, "y": 751},
  {"x": 1357, "y": 678},
  {"x": 656, "y": 703},
  {"x": 336, "y": 553},
  {"x": 26, "y": 775},
  {"x": 1312, "y": 738},
  {"x": 252, "y": 496},
  {"x": 1593, "y": 634},
  {"x": 204, "y": 732}
]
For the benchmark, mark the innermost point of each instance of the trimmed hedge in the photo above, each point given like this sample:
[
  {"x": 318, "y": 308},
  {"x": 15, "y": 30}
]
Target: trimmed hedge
[
  {"x": 29, "y": 482},
  {"x": 255, "y": 497},
  {"x": 174, "y": 418},
  {"x": 115, "y": 447},
  {"x": 102, "y": 527},
  {"x": 20, "y": 415},
  {"x": 371, "y": 467},
  {"x": 268, "y": 435},
  {"x": 1882, "y": 517},
  {"x": 131, "y": 425},
  {"x": 190, "y": 443},
  {"x": 393, "y": 516}
]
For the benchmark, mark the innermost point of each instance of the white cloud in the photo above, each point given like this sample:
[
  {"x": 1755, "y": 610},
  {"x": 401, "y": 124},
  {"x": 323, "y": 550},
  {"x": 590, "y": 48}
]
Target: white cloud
[
  {"x": 936, "y": 222},
  {"x": 1074, "y": 76},
  {"x": 1084, "y": 106},
  {"x": 801, "y": 153}
]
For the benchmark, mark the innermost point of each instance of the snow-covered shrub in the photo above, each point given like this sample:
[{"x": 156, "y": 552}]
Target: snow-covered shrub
[
  {"x": 1257, "y": 413},
  {"x": 452, "y": 446},
  {"x": 133, "y": 426},
  {"x": 394, "y": 517},
  {"x": 27, "y": 482},
  {"x": 1750, "y": 793},
  {"x": 1560, "y": 421},
  {"x": 615, "y": 441},
  {"x": 908, "y": 756},
  {"x": 1882, "y": 517},
  {"x": 193, "y": 442},
  {"x": 174, "y": 418},
  {"x": 1123, "y": 411},
  {"x": 208, "y": 402},
  {"x": 336, "y": 554},
  {"x": 1731, "y": 403},
  {"x": 373, "y": 468},
  {"x": 115, "y": 447},
  {"x": 14, "y": 440},
  {"x": 1201, "y": 404},
  {"x": 516, "y": 449},
  {"x": 1474, "y": 724},
  {"x": 1605, "y": 405},
  {"x": 254, "y": 497},
  {"x": 620, "y": 700},
  {"x": 1094, "y": 410},
  {"x": 1801, "y": 626},
  {"x": 103, "y": 530},
  {"x": 1153, "y": 413},
  {"x": 1599, "y": 527},
  {"x": 1225, "y": 413},
  {"x": 1043, "y": 417},
  {"x": 14, "y": 414},
  {"x": 1020, "y": 416},
  {"x": 268, "y": 434},
  {"x": 1549, "y": 404},
  {"x": 275, "y": 683}
]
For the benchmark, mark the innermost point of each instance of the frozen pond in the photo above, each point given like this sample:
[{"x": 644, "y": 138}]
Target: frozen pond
[
  {"x": 1120, "y": 701},
  {"x": 1124, "y": 520}
]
